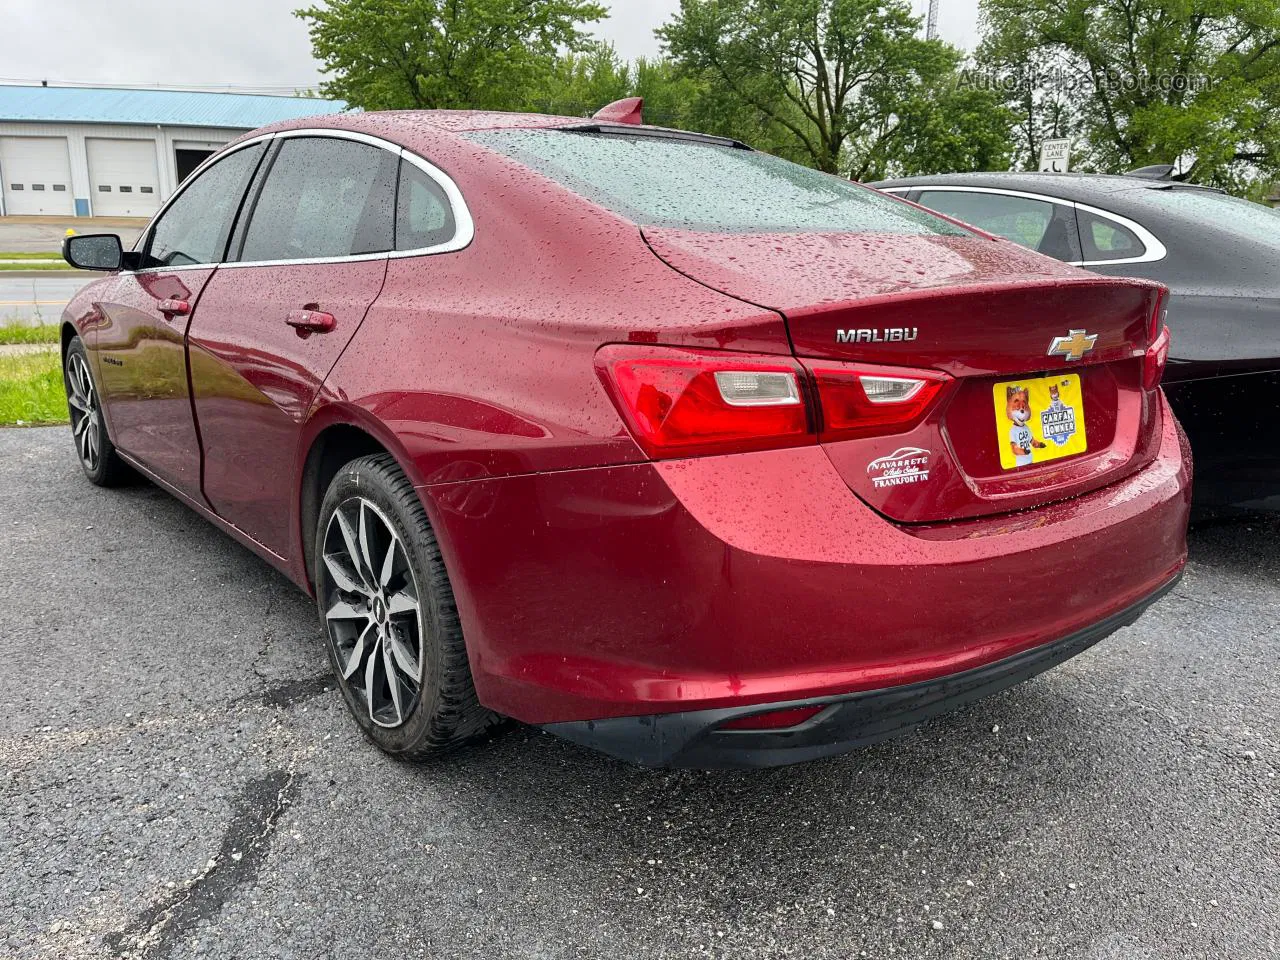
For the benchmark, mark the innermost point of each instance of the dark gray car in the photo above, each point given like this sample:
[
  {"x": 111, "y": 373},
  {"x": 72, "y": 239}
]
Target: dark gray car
[{"x": 1220, "y": 258}]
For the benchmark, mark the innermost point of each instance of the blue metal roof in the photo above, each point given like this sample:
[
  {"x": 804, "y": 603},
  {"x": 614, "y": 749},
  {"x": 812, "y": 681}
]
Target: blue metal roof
[{"x": 168, "y": 107}]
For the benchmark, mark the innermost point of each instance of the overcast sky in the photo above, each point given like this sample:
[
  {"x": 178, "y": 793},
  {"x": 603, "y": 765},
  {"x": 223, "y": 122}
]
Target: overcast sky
[{"x": 257, "y": 43}]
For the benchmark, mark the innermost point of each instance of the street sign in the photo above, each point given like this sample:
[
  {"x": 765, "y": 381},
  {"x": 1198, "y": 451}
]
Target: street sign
[{"x": 1055, "y": 156}]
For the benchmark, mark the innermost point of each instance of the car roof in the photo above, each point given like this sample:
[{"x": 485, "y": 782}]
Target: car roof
[
  {"x": 1068, "y": 186},
  {"x": 385, "y": 123}
]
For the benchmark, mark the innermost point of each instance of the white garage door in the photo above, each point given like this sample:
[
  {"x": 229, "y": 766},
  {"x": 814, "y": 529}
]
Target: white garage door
[
  {"x": 36, "y": 175},
  {"x": 122, "y": 177}
]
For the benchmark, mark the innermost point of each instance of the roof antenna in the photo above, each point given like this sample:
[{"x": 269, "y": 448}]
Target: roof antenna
[{"x": 630, "y": 110}]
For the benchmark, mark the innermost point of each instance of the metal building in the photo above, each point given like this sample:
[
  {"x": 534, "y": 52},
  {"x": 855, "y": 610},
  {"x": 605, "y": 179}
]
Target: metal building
[{"x": 91, "y": 151}]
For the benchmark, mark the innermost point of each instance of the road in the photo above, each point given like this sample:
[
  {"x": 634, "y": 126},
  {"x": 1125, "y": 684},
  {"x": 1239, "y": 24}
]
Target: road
[
  {"x": 178, "y": 782},
  {"x": 39, "y": 297},
  {"x": 44, "y": 234},
  {"x": 33, "y": 298}
]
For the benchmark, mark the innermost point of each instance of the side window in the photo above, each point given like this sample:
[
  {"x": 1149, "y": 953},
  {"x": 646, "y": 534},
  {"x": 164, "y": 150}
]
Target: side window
[
  {"x": 1105, "y": 239},
  {"x": 323, "y": 197},
  {"x": 195, "y": 227},
  {"x": 423, "y": 215},
  {"x": 1037, "y": 224}
]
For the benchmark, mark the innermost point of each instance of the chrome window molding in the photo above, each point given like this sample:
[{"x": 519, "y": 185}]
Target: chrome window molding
[
  {"x": 1153, "y": 250},
  {"x": 464, "y": 226}
]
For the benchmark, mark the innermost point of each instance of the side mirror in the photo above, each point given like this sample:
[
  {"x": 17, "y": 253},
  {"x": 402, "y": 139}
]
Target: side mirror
[{"x": 94, "y": 251}]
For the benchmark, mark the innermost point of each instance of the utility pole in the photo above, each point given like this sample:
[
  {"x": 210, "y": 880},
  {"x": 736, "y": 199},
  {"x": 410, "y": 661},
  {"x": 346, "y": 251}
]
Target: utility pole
[{"x": 931, "y": 25}]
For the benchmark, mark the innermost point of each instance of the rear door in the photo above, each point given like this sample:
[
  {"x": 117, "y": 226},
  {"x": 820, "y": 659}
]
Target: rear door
[
  {"x": 309, "y": 261},
  {"x": 140, "y": 358}
]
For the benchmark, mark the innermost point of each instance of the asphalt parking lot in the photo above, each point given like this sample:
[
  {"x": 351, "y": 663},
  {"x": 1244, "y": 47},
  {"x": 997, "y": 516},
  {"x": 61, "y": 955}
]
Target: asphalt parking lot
[{"x": 178, "y": 782}]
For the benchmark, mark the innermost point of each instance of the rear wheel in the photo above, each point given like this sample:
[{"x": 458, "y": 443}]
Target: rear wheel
[
  {"x": 98, "y": 457},
  {"x": 392, "y": 624}
]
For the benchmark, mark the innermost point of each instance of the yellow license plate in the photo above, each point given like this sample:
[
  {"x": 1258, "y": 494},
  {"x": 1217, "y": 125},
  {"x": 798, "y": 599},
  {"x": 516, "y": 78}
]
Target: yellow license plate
[{"x": 1039, "y": 419}]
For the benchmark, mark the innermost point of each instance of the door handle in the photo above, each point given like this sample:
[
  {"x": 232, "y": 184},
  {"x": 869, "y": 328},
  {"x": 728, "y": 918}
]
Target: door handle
[
  {"x": 307, "y": 322},
  {"x": 173, "y": 308}
]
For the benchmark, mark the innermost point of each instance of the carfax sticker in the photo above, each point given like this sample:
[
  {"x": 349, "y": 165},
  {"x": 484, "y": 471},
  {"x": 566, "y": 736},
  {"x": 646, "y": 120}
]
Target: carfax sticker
[
  {"x": 904, "y": 466},
  {"x": 1039, "y": 419}
]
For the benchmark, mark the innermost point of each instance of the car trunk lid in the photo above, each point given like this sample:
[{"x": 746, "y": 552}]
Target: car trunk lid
[{"x": 1017, "y": 335}]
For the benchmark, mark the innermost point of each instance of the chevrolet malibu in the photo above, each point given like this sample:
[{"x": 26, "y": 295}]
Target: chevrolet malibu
[{"x": 672, "y": 448}]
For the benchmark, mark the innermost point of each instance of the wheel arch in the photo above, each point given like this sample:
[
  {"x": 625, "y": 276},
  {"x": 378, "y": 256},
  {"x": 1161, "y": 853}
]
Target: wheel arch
[
  {"x": 335, "y": 437},
  {"x": 69, "y": 333}
]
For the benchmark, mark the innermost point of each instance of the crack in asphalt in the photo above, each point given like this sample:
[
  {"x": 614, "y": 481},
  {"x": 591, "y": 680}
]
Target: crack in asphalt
[
  {"x": 289, "y": 692},
  {"x": 155, "y": 931}
]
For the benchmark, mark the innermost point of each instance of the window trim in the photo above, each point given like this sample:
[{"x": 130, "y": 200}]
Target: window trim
[
  {"x": 464, "y": 226},
  {"x": 1154, "y": 249},
  {"x": 145, "y": 239}
]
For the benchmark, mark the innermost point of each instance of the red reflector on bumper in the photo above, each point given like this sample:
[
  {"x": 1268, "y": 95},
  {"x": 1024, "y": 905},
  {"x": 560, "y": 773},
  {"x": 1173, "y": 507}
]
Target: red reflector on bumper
[{"x": 775, "y": 720}]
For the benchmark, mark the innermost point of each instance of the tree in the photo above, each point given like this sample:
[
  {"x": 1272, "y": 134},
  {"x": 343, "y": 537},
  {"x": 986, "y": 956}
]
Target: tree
[
  {"x": 1190, "y": 82},
  {"x": 429, "y": 54},
  {"x": 937, "y": 126},
  {"x": 581, "y": 83},
  {"x": 849, "y": 81}
]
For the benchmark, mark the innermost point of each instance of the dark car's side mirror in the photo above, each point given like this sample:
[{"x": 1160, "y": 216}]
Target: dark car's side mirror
[{"x": 94, "y": 251}]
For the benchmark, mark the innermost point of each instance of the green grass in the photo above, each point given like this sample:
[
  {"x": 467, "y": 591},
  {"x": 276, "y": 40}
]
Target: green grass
[
  {"x": 37, "y": 265},
  {"x": 28, "y": 255},
  {"x": 31, "y": 390},
  {"x": 27, "y": 333}
]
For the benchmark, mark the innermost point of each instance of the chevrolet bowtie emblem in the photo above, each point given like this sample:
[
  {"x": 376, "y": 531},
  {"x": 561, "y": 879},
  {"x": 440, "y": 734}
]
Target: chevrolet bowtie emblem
[{"x": 1073, "y": 346}]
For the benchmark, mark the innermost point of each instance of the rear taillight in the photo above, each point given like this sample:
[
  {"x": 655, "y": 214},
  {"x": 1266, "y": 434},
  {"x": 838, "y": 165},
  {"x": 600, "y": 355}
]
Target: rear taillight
[
  {"x": 1153, "y": 363},
  {"x": 685, "y": 403},
  {"x": 1159, "y": 315},
  {"x": 1158, "y": 337},
  {"x": 864, "y": 401}
]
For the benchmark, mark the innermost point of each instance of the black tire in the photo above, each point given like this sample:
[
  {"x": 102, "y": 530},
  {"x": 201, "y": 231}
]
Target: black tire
[
  {"x": 94, "y": 449},
  {"x": 441, "y": 712}
]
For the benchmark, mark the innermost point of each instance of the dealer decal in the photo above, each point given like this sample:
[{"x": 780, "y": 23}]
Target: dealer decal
[
  {"x": 1039, "y": 419},
  {"x": 904, "y": 466},
  {"x": 1058, "y": 420}
]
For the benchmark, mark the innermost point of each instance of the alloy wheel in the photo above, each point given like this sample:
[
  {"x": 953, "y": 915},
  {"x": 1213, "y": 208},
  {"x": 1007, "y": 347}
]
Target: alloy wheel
[
  {"x": 373, "y": 613},
  {"x": 86, "y": 422}
]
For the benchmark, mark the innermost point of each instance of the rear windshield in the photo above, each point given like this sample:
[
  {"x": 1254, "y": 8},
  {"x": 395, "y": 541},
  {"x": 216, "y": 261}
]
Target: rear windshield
[
  {"x": 1229, "y": 214},
  {"x": 664, "y": 182}
]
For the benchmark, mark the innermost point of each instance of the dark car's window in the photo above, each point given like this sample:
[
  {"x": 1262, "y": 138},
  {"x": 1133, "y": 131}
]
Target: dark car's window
[
  {"x": 324, "y": 197},
  {"x": 1042, "y": 226},
  {"x": 194, "y": 229},
  {"x": 1104, "y": 239},
  {"x": 423, "y": 215},
  {"x": 659, "y": 181}
]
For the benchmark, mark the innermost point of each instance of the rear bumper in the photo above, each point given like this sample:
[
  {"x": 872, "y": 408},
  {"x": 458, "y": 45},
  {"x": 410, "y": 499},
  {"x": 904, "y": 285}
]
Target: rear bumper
[
  {"x": 730, "y": 582},
  {"x": 693, "y": 739}
]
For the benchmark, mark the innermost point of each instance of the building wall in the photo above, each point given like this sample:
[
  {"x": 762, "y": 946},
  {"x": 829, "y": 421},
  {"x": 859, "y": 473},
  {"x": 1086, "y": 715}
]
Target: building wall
[{"x": 164, "y": 138}]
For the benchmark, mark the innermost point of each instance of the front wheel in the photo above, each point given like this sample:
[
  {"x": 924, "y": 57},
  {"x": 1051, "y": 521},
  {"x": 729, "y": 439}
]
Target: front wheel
[
  {"x": 394, "y": 638},
  {"x": 98, "y": 457}
]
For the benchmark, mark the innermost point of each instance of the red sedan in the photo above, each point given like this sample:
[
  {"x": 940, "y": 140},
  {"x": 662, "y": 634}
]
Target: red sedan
[{"x": 673, "y": 448}]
